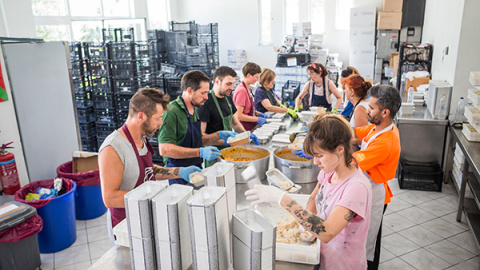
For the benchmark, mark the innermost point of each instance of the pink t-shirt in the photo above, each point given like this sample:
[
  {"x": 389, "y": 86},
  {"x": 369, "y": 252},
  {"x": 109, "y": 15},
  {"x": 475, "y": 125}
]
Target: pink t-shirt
[
  {"x": 347, "y": 249},
  {"x": 242, "y": 97}
]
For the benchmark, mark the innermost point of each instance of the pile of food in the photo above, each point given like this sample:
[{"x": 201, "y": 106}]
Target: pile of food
[
  {"x": 196, "y": 178},
  {"x": 288, "y": 231},
  {"x": 287, "y": 154},
  {"x": 238, "y": 159},
  {"x": 241, "y": 154}
]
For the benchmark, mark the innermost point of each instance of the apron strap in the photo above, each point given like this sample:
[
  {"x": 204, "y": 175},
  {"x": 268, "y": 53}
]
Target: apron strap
[
  {"x": 250, "y": 95},
  {"x": 218, "y": 106}
]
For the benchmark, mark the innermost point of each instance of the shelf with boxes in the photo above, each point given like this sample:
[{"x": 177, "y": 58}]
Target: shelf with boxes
[{"x": 413, "y": 58}]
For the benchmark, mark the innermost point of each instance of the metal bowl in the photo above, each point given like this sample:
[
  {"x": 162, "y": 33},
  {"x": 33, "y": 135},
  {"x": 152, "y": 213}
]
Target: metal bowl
[{"x": 261, "y": 159}]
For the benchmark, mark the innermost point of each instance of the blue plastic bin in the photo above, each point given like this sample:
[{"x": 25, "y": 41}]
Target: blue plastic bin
[
  {"x": 89, "y": 202},
  {"x": 59, "y": 226}
]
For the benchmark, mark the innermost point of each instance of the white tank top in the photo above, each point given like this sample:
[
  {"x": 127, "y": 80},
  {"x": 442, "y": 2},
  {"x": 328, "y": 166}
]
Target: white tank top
[{"x": 352, "y": 119}]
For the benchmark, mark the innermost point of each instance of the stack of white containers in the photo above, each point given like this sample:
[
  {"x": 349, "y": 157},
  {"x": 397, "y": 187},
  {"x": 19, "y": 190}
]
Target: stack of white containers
[
  {"x": 209, "y": 229},
  {"x": 140, "y": 224},
  {"x": 222, "y": 174},
  {"x": 236, "y": 60},
  {"x": 472, "y": 113},
  {"x": 170, "y": 222},
  {"x": 362, "y": 40},
  {"x": 254, "y": 239},
  {"x": 457, "y": 170},
  {"x": 318, "y": 54}
]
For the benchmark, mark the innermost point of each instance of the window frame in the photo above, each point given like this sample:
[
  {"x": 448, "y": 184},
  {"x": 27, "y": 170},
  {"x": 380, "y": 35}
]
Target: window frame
[{"x": 262, "y": 43}]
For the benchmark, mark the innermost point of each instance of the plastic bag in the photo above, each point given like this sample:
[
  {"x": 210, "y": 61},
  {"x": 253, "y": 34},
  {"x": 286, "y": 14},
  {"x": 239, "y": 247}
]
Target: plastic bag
[
  {"x": 33, "y": 187},
  {"x": 89, "y": 178},
  {"x": 24, "y": 230}
]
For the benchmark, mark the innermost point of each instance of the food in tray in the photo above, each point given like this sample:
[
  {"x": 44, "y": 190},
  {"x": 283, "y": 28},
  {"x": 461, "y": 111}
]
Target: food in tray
[
  {"x": 284, "y": 185},
  {"x": 287, "y": 154},
  {"x": 241, "y": 154},
  {"x": 292, "y": 189},
  {"x": 287, "y": 231},
  {"x": 238, "y": 159},
  {"x": 196, "y": 178}
]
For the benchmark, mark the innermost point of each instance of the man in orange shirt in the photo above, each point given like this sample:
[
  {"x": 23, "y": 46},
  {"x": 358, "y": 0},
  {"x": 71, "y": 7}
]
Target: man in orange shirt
[{"x": 378, "y": 159}]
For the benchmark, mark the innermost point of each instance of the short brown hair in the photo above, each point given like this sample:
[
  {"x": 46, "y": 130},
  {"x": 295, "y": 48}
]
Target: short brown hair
[
  {"x": 251, "y": 68},
  {"x": 266, "y": 76},
  {"x": 146, "y": 100},
  {"x": 328, "y": 133},
  {"x": 318, "y": 68},
  {"x": 223, "y": 71},
  {"x": 192, "y": 79}
]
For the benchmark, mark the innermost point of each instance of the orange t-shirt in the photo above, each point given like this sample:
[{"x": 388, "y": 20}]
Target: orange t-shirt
[{"x": 380, "y": 158}]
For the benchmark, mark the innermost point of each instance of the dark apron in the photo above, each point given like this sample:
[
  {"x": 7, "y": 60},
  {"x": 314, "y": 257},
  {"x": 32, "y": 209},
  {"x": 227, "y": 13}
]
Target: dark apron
[
  {"x": 272, "y": 100},
  {"x": 226, "y": 121},
  {"x": 193, "y": 139},
  {"x": 145, "y": 166},
  {"x": 321, "y": 101}
]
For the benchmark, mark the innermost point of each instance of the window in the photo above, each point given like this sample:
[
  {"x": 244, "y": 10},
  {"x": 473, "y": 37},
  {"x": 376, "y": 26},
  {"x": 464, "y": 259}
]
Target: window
[
  {"x": 292, "y": 15},
  {"x": 90, "y": 8},
  {"x": 115, "y": 8},
  {"x": 49, "y": 8},
  {"x": 342, "y": 14},
  {"x": 317, "y": 16},
  {"x": 52, "y": 32},
  {"x": 265, "y": 12},
  {"x": 158, "y": 16},
  {"x": 87, "y": 31}
]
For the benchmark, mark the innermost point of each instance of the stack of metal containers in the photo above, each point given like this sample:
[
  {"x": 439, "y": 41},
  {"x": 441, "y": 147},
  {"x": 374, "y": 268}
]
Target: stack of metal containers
[{"x": 138, "y": 208}]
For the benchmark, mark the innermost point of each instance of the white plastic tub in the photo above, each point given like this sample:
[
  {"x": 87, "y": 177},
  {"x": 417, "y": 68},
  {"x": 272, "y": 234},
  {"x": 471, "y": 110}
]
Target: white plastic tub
[
  {"x": 475, "y": 77},
  {"x": 474, "y": 96},
  {"x": 472, "y": 114},
  {"x": 471, "y": 133}
]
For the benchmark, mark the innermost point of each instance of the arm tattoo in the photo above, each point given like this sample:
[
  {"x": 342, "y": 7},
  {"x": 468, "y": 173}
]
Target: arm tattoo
[
  {"x": 166, "y": 171},
  {"x": 349, "y": 216},
  {"x": 308, "y": 220}
]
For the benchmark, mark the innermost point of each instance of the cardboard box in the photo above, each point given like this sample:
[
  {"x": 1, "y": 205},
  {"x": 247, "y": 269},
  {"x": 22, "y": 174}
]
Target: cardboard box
[
  {"x": 394, "y": 61},
  {"x": 389, "y": 20},
  {"x": 416, "y": 82},
  {"x": 362, "y": 36},
  {"x": 363, "y": 17},
  {"x": 84, "y": 161},
  {"x": 393, "y": 5}
]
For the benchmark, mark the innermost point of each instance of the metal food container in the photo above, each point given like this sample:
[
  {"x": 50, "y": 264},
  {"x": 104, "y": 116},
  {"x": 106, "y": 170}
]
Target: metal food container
[
  {"x": 297, "y": 170},
  {"x": 170, "y": 222},
  {"x": 209, "y": 229},
  {"x": 261, "y": 155},
  {"x": 222, "y": 174},
  {"x": 254, "y": 239},
  {"x": 138, "y": 209},
  {"x": 200, "y": 183}
]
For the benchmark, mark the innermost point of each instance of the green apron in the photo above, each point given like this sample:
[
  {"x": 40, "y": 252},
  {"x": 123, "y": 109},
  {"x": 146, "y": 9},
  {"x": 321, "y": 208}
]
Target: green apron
[
  {"x": 227, "y": 122},
  {"x": 272, "y": 100}
]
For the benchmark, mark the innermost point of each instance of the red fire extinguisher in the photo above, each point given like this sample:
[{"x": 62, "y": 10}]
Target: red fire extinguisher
[{"x": 8, "y": 171}]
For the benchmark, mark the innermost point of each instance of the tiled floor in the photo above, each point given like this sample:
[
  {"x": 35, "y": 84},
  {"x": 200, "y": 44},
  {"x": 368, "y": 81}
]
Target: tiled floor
[{"x": 419, "y": 232}]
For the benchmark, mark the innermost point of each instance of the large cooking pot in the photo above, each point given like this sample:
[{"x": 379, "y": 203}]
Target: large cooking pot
[
  {"x": 261, "y": 159},
  {"x": 299, "y": 171}
]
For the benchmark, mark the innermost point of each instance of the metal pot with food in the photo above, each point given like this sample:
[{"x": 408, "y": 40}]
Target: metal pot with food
[
  {"x": 298, "y": 169},
  {"x": 241, "y": 156}
]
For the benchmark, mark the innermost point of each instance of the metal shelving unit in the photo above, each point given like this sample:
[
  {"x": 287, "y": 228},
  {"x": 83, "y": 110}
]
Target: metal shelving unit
[{"x": 414, "y": 58}]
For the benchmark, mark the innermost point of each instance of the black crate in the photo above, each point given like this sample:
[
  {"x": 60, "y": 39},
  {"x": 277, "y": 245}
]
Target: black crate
[
  {"x": 178, "y": 58},
  {"x": 88, "y": 131},
  {"x": 96, "y": 51},
  {"x": 76, "y": 51},
  {"x": 84, "y": 100},
  {"x": 79, "y": 68},
  {"x": 125, "y": 86},
  {"x": 190, "y": 27},
  {"x": 146, "y": 67},
  {"x": 100, "y": 140},
  {"x": 104, "y": 101},
  {"x": 207, "y": 39},
  {"x": 147, "y": 81},
  {"x": 176, "y": 41},
  {"x": 145, "y": 50},
  {"x": 290, "y": 90},
  {"x": 122, "y": 116},
  {"x": 122, "y": 102},
  {"x": 205, "y": 69},
  {"x": 121, "y": 51},
  {"x": 302, "y": 59},
  {"x": 89, "y": 145},
  {"x": 118, "y": 34},
  {"x": 124, "y": 69},
  {"x": 105, "y": 129},
  {"x": 86, "y": 115},
  {"x": 209, "y": 29},
  {"x": 98, "y": 68},
  {"x": 196, "y": 50},
  {"x": 156, "y": 34},
  {"x": 101, "y": 86},
  {"x": 81, "y": 86},
  {"x": 172, "y": 86},
  {"x": 212, "y": 48},
  {"x": 103, "y": 116},
  {"x": 420, "y": 176}
]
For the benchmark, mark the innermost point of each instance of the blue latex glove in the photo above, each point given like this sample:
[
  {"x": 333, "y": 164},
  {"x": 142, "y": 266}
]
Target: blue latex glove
[
  {"x": 301, "y": 153},
  {"x": 306, "y": 129},
  {"x": 224, "y": 134},
  {"x": 254, "y": 138},
  {"x": 263, "y": 115},
  {"x": 261, "y": 120},
  {"x": 186, "y": 171},
  {"x": 209, "y": 152}
]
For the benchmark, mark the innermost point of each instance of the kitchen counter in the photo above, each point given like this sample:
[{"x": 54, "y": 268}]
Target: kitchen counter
[{"x": 119, "y": 257}]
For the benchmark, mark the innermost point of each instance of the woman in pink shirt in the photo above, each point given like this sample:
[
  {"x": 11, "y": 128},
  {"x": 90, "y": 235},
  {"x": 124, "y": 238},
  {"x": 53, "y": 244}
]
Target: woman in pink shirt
[
  {"x": 243, "y": 98},
  {"x": 338, "y": 211}
]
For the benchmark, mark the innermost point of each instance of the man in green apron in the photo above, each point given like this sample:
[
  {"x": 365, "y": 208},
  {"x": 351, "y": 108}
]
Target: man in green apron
[{"x": 218, "y": 112}]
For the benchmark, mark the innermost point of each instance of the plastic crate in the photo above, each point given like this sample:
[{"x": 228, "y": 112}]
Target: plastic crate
[
  {"x": 172, "y": 86},
  {"x": 122, "y": 102},
  {"x": 125, "y": 86},
  {"x": 105, "y": 116},
  {"x": 100, "y": 140},
  {"x": 122, "y": 116},
  {"x": 124, "y": 69},
  {"x": 176, "y": 41},
  {"x": 176, "y": 58},
  {"x": 209, "y": 29},
  {"x": 86, "y": 115},
  {"x": 83, "y": 100},
  {"x": 88, "y": 131},
  {"x": 101, "y": 86},
  {"x": 145, "y": 50},
  {"x": 190, "y": 27},
  {"x": 76, "y": 51},
  {"x": 205, "y": 69},
  {"x": 207, "y": 39},
  {"x": 104, "y": 129},
  {"x": 79, "y": 68},
  {"x": 196, "y": 50},
  {"x": 420, "y": 176},
  {"x": 118, "y": 34},
  {"x": 212, "y": 48},
  {"x": 196, "y": 60},
  {"x": 168, "y": 68},
  {"x": 81, "y": 86},
  {"x": 156, "y": 34},
  {"x": 121, "y": 51},
  {"x": 104, "y": 101},
  {"x": 146, "y": 67},
  {"x": 89, "y": 145},
  {"x": 98, "y": 68},
  {"x": 96, "y": 52}
]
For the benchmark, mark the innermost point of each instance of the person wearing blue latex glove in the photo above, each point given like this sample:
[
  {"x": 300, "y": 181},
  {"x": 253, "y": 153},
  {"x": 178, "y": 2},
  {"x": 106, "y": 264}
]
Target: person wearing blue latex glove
[
  {"x": 262, "y": 115},
  {"x": 261, "y": 121},
  {"x": 209, "y": 152},
  {"x": 302, "y": 154},
  {"x": 225, "y": 134},
  {"x": 186, "y": 171},
  {"x": 254, "y": 138}
]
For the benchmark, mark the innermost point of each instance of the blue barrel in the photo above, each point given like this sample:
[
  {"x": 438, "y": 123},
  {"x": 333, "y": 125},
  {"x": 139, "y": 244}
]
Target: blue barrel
[
  {"x": 59, "y": 227},
  {"x": 89, "y": 202}
]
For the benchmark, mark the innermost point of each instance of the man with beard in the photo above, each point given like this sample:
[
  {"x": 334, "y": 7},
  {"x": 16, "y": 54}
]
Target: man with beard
[
  {"x": 218, "y": 112},
  {"x": 378, "y": 159},
  {"x": 180, "y": 139},
  {"x": 125, "y": 157}
]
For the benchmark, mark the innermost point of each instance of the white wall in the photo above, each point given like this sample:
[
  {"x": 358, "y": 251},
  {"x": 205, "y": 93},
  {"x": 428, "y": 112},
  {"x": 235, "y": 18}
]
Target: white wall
[{"x": 17, "y": 19}]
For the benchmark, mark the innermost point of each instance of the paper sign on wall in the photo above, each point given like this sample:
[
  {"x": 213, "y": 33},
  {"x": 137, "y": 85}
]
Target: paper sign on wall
[
  {"x": 3, "y": 90},
  {"x": 292, "y": 61}
]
